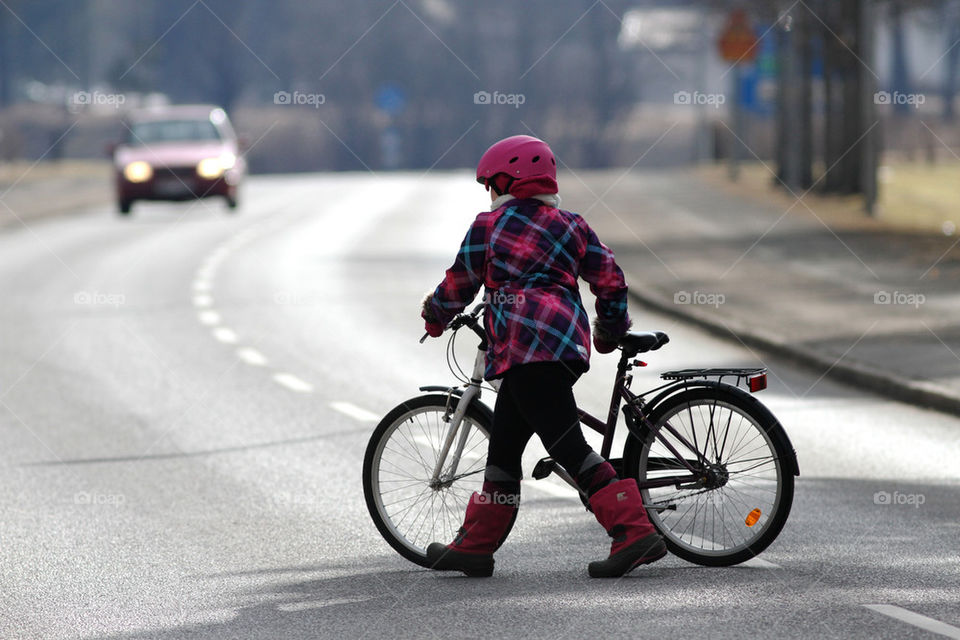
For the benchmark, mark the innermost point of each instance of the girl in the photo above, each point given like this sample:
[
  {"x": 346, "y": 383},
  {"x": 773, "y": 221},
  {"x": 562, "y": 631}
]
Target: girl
[{"x": 528, "y": 254}]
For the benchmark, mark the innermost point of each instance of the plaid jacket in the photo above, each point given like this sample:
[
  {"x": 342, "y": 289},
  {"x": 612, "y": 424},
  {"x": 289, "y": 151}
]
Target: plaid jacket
[{"x": 528, "y": 256}]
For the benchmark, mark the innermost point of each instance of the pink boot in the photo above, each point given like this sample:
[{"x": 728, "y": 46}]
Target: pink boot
[
  {"x": 620, "y": 511},
  {"x": 484, "y": 529}
]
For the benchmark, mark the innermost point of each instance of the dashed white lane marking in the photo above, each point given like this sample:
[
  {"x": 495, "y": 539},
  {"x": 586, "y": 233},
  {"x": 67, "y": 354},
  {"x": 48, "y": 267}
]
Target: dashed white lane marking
[
  {"x": 915, "y": 619},
  {"x": 760, "y": 563},
  {"x": 552, "y": 488},
  {"x": 469, "y": 455},
  {"x": 251, "y": 356},
  {"x": 757, "y": 563},
  {"x": 319, "y": 604},
  {"x": 202, "y": 286},
  {"x": 292, "y": 382},
  {"x": 354, "y": 411},
  {"x": 224, "y": 335}
]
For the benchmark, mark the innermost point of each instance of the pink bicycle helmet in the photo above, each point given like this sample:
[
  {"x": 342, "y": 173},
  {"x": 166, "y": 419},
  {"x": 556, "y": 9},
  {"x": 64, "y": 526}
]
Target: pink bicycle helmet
[{"x": 521, "y": 158}]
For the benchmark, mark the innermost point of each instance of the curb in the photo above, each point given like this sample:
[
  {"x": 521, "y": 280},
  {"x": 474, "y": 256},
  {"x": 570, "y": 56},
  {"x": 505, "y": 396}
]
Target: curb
[
  {"x": 53, "y": 199},
  {"x": 862, "y": 376}
]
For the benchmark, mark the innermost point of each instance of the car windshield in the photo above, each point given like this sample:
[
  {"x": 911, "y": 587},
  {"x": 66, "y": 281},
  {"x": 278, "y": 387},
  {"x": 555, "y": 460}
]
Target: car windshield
[{"x": 152, "y": 131}]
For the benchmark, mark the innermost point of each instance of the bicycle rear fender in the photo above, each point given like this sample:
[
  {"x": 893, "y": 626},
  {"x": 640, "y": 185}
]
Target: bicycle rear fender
[{"x": 653, "y": 406}]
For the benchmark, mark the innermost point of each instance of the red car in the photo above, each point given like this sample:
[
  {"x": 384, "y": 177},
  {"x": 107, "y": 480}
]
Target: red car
[{"x": 181, "y": 152}]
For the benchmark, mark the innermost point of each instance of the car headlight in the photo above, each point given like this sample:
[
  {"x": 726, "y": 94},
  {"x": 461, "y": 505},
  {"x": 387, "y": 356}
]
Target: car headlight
[
  {"x": 211, "y": 168},
  {"x": 138, "y": 171}
]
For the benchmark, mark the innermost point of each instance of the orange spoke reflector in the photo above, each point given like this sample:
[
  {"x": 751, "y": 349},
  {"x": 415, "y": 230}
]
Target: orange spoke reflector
[{"x": 752, "y": 517}]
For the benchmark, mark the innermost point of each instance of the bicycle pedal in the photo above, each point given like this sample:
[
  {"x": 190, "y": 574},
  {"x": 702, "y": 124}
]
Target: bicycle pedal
[{"x": 544, "y": 468}]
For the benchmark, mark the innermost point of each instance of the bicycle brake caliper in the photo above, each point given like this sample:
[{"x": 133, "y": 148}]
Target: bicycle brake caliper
[{"x": 447, "y": 411}]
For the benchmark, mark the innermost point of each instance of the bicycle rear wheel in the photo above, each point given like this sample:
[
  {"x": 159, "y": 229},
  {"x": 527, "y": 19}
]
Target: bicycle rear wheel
[
  {"x": 408, "y": 509},
  {"x": 742, "y": 497}
]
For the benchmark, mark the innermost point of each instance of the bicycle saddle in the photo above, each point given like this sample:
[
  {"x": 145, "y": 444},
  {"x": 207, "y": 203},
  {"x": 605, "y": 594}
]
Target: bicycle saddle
[{"x": 634, "y": 342}]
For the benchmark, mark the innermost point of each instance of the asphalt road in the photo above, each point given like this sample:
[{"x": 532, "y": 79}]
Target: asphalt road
[{"x": 185, "y": 398}]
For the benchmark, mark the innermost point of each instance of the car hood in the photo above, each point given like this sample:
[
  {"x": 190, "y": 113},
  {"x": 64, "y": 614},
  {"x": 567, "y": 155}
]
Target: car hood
[{"x": 172, "y": 154}]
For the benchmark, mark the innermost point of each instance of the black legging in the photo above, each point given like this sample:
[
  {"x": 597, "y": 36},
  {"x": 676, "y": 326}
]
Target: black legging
[{"x": 538, "y": 398}]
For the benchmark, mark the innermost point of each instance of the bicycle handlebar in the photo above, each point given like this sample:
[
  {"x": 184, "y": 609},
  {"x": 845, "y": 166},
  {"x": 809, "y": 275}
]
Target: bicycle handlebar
[{"x": 465, "y": 320}]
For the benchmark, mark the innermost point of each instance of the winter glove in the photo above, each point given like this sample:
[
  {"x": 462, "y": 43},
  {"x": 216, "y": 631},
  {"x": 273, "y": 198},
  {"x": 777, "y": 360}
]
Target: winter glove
[
  {"x": 603, "y": 340},
  {"x": 602, "y": 346},
  {"x": 432, "y": 325},
  {"x": 435, "y": 329}
]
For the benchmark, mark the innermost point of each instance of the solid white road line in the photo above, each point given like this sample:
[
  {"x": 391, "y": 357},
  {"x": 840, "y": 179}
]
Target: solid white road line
[
  {"x": 251, "y": 356},
  {"x": 224, "y": 335},
  {"x": 209, "y": 318},
  {"x": 201, "y": 285},
  {"x": 915, "y": 619},
  {"x": 292, "y": 382},
  {"x": 354, "y": 411},
  {"x": 202, "y": 300}
]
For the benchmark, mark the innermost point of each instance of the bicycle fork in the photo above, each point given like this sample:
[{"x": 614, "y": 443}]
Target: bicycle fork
[{"x": 471, "y": 393}]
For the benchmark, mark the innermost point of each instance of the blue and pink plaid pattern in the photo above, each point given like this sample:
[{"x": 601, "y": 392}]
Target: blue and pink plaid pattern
[{"x": 528, "y": 256}]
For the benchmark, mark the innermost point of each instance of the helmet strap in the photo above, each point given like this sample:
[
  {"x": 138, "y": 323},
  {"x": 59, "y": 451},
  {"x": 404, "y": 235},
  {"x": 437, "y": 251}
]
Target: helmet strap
[{"x": 492, "y": 183}]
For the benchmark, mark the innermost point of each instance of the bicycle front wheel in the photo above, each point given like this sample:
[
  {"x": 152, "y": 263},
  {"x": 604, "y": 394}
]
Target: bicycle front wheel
[
  {"x": 739, "y": 499},
  {"x": 410, "y": 508}
]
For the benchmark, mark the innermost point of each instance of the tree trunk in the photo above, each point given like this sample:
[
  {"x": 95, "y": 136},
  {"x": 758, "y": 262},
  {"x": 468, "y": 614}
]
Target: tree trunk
[
  {"x": 805, "y": 98},
  {"x": 852, "y": 129},
  {"x": 832, "y": 85}
]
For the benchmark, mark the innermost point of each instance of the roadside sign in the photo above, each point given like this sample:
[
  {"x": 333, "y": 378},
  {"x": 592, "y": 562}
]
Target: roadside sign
[{"x": 737, "y": 42}]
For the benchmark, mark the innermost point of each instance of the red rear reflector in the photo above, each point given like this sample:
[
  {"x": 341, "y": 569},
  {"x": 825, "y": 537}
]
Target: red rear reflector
[{"x": 758, "y": 383}]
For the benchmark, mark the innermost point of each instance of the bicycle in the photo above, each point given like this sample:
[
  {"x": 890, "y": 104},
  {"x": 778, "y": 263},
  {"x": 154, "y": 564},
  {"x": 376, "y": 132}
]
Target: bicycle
[{"x": 714, "y": 466}]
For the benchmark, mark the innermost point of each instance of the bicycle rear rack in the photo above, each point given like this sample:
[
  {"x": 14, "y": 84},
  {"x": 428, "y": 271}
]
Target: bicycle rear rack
[{"x": 756, "y": 377}]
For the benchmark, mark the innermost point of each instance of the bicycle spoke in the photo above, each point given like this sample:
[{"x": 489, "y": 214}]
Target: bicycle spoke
[
  {"x": 738, "y": 473},
  {"x": 417, "y": 512}
]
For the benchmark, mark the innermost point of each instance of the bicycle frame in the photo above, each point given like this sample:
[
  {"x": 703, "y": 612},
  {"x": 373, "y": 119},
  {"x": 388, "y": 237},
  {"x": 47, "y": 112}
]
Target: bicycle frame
[
  {"x": 607, "y": 429},
  {"x": 635, "y": 418},
  {"x": 621, "y": 392}
]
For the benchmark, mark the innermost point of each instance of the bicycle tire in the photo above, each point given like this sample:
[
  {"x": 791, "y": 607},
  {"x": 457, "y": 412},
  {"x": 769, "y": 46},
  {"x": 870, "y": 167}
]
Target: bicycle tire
[
  {"x": 449, "y": 512},
  {"x": 642, "y": 462}
]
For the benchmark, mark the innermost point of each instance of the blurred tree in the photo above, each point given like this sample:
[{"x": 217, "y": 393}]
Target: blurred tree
[
  {"x": 951, "y": 18},
  {"x": 899, "y": 74}
]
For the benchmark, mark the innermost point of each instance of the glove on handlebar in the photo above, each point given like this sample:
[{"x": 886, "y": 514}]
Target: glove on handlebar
[{"x": 432, "y": 325}]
